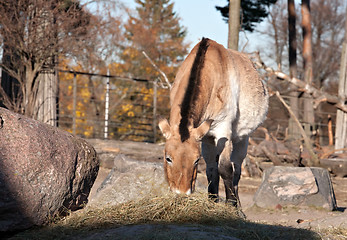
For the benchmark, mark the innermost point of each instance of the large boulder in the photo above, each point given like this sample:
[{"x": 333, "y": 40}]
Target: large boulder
[
  {"x": 44, "y": 172},
  {"x": 296, "y": 186}
]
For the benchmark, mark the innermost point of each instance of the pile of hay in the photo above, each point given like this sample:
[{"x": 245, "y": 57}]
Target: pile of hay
[
  {"x": 164, "y": 209},
  {"x": 165, "y": 217}
]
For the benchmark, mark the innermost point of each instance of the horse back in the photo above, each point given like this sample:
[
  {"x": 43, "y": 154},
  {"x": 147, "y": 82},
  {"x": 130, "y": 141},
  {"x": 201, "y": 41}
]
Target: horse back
[{"x": 230, "y": 91}]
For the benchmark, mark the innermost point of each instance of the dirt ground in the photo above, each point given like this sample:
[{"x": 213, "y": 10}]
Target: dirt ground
[{"x": 303, "y": 217}]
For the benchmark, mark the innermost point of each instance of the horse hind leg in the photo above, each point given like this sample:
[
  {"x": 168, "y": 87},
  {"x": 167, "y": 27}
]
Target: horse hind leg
[
  {"x": 238, "y": 155},
  {"x": 227, "y": 173},
  {"x": 230, "y": 169}
]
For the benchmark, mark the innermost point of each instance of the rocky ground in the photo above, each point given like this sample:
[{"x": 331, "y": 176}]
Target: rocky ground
[{"x": 303, "y": 217}]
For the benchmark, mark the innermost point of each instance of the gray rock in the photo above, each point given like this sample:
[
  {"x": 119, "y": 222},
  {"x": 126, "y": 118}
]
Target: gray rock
[
  {"x": 44, "y": 172},
  {"x": 130, "y": 180},
  {"x": 296, "y": 186}
]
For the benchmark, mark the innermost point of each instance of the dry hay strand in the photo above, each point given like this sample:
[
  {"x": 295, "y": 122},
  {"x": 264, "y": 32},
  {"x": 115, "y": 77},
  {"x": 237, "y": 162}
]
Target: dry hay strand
[{"x": 164, "y": 209}]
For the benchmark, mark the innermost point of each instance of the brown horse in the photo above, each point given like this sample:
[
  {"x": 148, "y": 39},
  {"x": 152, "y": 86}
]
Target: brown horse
[{"x": 217, "y": 101}]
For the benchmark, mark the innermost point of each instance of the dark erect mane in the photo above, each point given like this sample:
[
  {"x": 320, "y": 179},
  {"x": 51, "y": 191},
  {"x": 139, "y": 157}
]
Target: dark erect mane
[{"x": 193, "y": 90}]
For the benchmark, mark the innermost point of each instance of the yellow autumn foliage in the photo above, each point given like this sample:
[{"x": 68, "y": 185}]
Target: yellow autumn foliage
[{"x": 131, "y": 117}]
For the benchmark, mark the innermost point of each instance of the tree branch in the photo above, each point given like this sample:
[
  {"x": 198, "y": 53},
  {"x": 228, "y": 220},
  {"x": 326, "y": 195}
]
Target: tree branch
[
  {"x": 302, "y": 131},
  {"x": 157, "y": 68},
  {"x": 318, "y": 95}
]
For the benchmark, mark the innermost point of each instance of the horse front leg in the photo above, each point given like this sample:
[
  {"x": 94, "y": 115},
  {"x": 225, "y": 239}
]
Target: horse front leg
[{"x": 209, "y": 153}]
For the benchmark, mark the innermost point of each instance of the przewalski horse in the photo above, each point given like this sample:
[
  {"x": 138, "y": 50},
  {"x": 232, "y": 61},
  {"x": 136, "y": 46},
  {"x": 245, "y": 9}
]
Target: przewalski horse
[{"x": 217, "y": 99}]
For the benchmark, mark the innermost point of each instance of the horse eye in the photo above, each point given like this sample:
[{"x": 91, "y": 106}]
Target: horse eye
[
  {"x": 168, "y": 159},
  {"x": 197, "y": 161}
]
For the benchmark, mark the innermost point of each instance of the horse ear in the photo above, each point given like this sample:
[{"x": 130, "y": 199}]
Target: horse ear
[
  {"x": 202, "y": 130},
  {"x": 165, "y": 128}
]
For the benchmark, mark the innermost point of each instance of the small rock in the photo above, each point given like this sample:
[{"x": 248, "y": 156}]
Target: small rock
[
  {"x": 296, "y": 186},
  {"x": 278, "y": 207}
]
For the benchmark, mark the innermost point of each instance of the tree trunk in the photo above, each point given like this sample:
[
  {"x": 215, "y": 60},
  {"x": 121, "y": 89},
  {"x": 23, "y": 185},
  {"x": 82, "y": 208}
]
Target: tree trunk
[
  {"x": 307, "y": 56},
  {"x": 234, "y": 24},
  {"x": 293, "y": 130},
  {"x": 341, "y": 117}
]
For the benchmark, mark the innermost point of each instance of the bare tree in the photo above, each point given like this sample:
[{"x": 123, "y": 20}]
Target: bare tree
[
  {"x": 327, "y": 25},
  {"x": 277, "y": 31},
  {"x": 327, "y": 19},
  {"x": 33, "y": 34}
]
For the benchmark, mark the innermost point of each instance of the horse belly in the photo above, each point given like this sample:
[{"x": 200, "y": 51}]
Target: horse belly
[{"x": 249, "y": 119}]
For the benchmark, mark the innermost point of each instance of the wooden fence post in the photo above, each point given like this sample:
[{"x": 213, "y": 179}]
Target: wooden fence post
[
  {"x": 341, "y": 117},
  {"x": 46, "y": 102}
]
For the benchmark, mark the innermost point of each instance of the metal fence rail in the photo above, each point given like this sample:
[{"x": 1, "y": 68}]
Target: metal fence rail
[{"x": 111, "y": 107}]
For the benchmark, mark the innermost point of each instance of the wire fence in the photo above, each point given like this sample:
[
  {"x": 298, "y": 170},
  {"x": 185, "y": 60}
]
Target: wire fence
[{"x": 111, "y": 107}]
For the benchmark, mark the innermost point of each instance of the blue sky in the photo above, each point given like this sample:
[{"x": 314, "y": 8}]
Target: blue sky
[{"x": 201, "y": 19}]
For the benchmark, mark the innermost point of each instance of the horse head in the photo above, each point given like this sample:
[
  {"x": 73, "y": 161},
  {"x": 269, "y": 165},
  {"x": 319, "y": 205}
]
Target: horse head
[{"x": 181, "y": 157}]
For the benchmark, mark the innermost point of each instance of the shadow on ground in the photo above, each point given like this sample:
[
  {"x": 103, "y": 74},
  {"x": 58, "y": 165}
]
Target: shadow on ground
[{"x": 232, "y": 229}]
